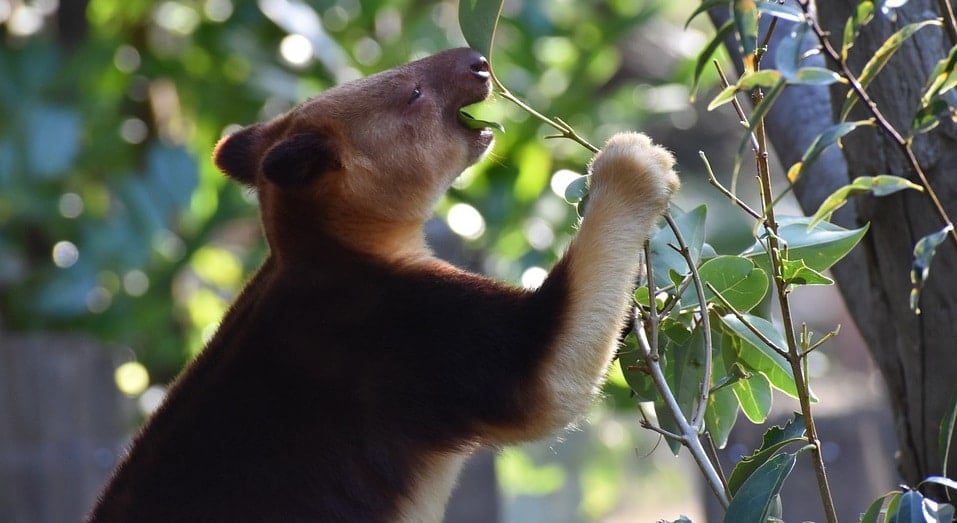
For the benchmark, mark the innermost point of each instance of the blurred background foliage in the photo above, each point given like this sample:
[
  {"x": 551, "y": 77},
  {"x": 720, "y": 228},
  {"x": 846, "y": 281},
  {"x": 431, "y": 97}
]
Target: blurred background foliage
[
  {"x": 115, "y": 223},
  {"x": 111, "y": 209}
]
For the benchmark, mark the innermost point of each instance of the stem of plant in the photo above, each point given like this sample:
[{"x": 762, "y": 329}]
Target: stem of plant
[
  {"x": 688, "y": 436},
  {"x": 902, "y": 143},
  {"x": 793, "y": 353},
  {"x": 697, "y": 417}
]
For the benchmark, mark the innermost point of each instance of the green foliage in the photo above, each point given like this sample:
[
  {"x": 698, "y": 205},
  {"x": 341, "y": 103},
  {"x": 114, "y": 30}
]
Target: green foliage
[
  {"x": 924, "y": 252},
  {"x": 827, "y": 138},
  {"x": 863, "y": 13},
  {"x": 753, "y": 500},
  {"x": 774, "y": 440},
  {"x": 736, "y": 278},
  {"x": 881, "y": 185},
  {"x": 478, "y": 20},
  {"x": 910, "y": 506},
  {"x": 883, "y": 55},
  {"x": 819, "y": 248}
]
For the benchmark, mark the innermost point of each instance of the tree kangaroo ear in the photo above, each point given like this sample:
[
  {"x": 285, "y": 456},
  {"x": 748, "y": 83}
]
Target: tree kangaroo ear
[
  {"x": 237, "y": 155},
  {"x": 300, "y": 158}
]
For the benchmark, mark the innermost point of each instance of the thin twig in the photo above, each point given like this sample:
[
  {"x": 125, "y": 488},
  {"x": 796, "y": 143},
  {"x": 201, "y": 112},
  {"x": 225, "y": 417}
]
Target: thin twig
[
  {"x": 713, "y": 455},
  {"x": 947, "y": 11},
  {"x": 713, "y": 180},
  {"x": 690, "y": 436},
  {"x": 697, "y": 418},
  {"x": 645, "y": 424},
  {"x": 882, "y": 121},
  {"x": 738, "y": 108},
  {"x": 653, "y": 305},
  {"x": 675, "y": 298},
  {"x": 821, "y": 341},
  {"x": 793, "y": 354},
  {"x": 767, "y": 341}
]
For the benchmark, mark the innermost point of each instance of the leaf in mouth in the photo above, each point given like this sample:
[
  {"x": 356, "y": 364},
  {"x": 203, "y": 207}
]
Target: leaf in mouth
[{"x": 474, "y": 123}]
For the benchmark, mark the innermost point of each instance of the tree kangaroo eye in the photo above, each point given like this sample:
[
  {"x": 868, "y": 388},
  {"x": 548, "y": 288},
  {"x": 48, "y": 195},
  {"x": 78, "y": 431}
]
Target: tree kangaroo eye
[{"x": 416, "y": 94}]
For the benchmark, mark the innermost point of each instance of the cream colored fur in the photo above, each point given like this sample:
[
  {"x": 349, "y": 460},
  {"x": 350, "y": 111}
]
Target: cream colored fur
[
  {"x": 432, "y": 489},
  {"x": 631, "y": 184}
]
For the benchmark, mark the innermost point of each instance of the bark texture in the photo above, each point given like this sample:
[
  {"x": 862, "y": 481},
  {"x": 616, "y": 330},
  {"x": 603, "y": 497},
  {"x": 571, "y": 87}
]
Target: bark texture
[{"x": 916, "y": 354}]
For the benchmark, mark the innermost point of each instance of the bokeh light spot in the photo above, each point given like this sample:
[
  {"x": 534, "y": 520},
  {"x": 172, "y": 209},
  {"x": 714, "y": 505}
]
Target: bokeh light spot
[
  {"x": 65, "y": 254},
  {"x": 131, "y": 378},
  {"x": 70, "y": 205},
  {"x": 136, "y": 283},
  {"x": 533, "y": 277},
  {"x": 296, "y": 50},
  {"x": 466, "y": 221}
]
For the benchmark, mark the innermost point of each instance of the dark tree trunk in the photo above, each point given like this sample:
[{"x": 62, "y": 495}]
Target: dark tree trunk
[{"x": 915, "y": 353}]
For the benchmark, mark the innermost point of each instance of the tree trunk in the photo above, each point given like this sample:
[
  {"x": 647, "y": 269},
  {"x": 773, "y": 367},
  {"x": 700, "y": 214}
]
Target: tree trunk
[{"x": 915, "y": 353}]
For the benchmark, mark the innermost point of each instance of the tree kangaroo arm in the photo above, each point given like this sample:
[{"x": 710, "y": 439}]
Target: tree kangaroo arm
[{"x": 631, "y": 184}]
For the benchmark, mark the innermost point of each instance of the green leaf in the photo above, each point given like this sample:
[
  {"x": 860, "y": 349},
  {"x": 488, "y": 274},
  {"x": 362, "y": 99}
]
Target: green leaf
[
  {"x": 858, "y": 19},
  {"x": 787, "y": 58},
  {"x": 635, "y": 371},
  {"x": 737, "y": 279},
  {"x": 478, "y": 20},
  {"x": 664, "y": 259},
  {"x": 758, "y": 355},
  {"x": 946, "y": 437},
  {"x": 820, "y": 247},
  {"x": 815, "y": 76},
  {"x": 880, "y": 185},
  {"x": 942, "y": 79},
  {"x": 829, "y": 137},
  {"x": 722, "y": 411},
  {"x": 890, "y": 510},
  {"x": 474, "y": 123},
  {"x": 774, "y": 439},
  {"x": 880, "y": 58},
  {"x": 928, "y": 116},
  {"x": 685, "y": 369},
  {"x": 788, "y": 12},
  {"x": 705, "y": 56},
  {"x": 923, "y": 255},
  {"x": 940, "y": 480},
  {"x": 705, "y": 6},
  {"x": 753, "y": 500},
  {"x": 723, "y": 97},
  {"x": 797, "y": 273},
  {"x": 754, "y": 396},
  {"x": 576, "y": 190},
  {"x": 910, "y": 510},
  {"x": 874, "y": 510},
  {"x": 748, "y": 81},
  {"x": 745, "y": 14},
  {"x": 937, "y": 512}
]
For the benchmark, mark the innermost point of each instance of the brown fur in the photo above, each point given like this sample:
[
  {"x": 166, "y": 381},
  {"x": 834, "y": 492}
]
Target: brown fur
[{"x": 355, "y": 372}]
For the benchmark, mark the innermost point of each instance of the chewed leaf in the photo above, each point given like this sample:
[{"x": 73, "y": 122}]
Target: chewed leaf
[
  {"x": 478, "y": 20},
  {"x": 829, "y": 137},
  {"x": 881, "y": 57},
  {"x": 881, "y": 185},
  {"x": 923, "y": 255},
  {"x": 774, "y": 439},
  {"x": 474, "y": 123}
]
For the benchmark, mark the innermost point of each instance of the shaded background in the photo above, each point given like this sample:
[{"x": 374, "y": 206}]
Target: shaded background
[{"x": 121, "y": 245}]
